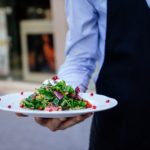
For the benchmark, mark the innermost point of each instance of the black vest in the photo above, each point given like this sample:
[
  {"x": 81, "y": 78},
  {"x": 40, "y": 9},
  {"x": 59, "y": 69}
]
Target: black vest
[{"x": 125, "y": 76}]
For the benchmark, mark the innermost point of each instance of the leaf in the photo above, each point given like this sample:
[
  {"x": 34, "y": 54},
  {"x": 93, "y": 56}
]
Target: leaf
[
  {"x": 56, "y": 102},
  {"x": 69, "y": 89}
]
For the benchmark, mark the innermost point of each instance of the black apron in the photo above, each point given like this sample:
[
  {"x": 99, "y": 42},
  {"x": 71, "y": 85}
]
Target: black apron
[{"x": 125, "y": 76}]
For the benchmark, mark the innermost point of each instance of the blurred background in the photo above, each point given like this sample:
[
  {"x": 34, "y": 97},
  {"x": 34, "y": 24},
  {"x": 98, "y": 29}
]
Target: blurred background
[{"x": 32, "y": 40}]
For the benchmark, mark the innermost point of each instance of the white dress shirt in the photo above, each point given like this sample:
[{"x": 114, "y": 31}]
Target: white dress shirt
[{"x": 85, "y": 42}]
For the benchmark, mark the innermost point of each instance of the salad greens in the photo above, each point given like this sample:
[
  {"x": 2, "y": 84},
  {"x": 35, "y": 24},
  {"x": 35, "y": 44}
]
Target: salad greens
[{"x": 55, "y": 97}]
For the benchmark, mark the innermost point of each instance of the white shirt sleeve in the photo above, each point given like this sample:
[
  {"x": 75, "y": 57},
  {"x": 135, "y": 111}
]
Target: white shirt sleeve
[
  {"x": 81, "y": 43},
  {"x": 148, "y": 2}
]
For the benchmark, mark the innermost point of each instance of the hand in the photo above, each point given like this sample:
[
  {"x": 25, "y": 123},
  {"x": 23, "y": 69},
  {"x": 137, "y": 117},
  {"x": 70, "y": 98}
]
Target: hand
[{"x": 55, "y": 124}]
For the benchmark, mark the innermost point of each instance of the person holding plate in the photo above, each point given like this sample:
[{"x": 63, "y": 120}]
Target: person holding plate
[{"x": 117, "y": 35}]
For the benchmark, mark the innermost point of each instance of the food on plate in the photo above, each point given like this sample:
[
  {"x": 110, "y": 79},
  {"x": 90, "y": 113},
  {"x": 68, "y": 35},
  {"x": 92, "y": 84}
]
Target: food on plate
[{"x": 55, "y": 95}]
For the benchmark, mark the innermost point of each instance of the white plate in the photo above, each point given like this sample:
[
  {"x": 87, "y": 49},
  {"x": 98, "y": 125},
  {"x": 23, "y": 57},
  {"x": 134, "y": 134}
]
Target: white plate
[{"x": 13, "y": 100}]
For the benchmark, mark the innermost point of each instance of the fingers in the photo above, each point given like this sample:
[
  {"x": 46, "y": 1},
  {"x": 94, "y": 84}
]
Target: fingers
[
  {"x": 72, "y": 121},
  {"x": 55, "y": 124},
  {"x": 41, "y": 121},
  {"x": 62, "y": 119},
  {"x": 51, "y": 123},
  {"x": 21, "y": 115}
]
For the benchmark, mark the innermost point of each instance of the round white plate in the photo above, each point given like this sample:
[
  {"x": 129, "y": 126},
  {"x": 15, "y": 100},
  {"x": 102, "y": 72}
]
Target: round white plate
[{"x": 11, "y": 103}]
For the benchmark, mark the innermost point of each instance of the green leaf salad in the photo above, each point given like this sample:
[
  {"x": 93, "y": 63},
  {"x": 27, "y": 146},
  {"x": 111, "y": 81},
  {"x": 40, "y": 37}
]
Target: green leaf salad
[{"x": 55, "y": 95}]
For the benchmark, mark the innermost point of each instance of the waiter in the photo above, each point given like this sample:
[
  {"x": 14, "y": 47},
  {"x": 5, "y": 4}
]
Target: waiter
[{"x": 116, "y": 34}]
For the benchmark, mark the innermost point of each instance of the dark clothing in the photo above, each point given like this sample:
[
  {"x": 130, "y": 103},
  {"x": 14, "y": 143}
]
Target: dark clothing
[{"x": 125, "y": 76}]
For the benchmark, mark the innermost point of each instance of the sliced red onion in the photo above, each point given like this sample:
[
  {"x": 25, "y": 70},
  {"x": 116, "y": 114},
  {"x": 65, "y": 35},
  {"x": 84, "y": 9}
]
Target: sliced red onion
[
  {"x": 77, "y": 89},
  {"x": 78, "y": 97},
  {"x": 58, "y": 95},
  {"x": 75, "y": 96}
]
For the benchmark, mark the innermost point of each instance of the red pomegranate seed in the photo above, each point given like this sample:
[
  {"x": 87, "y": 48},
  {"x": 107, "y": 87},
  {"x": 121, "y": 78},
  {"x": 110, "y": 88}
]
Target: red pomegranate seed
[
  {"x": 22, "y": 106},
  {"x": 40, "y": 108},
  {"x": 94, "y": 107},
  {"x": 55, "y": 78},
  {"x": 88, "y": 105},
  {"x": 91, "y": 94},
  {"x": 9, "y": 106},
  {"x": 21, "y": 93},
  {"x": 108, "y": 101}
]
